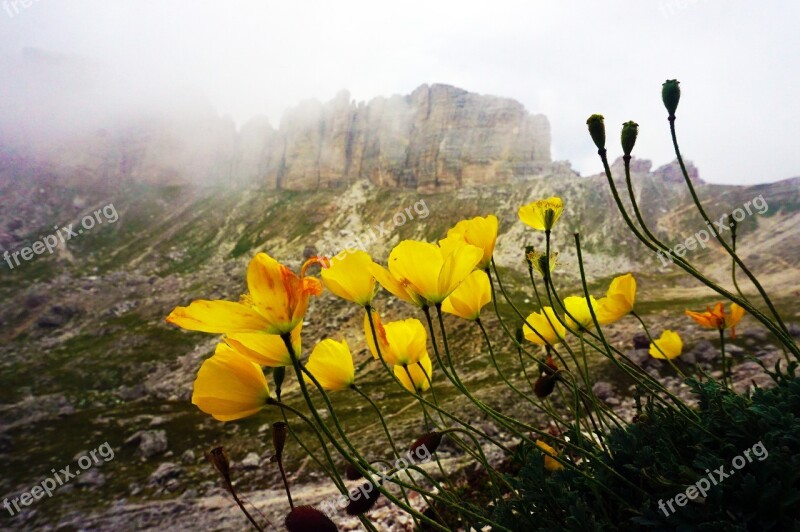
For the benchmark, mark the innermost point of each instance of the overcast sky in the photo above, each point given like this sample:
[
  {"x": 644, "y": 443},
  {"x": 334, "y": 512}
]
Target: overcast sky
[{"x": 738, "y": 62}]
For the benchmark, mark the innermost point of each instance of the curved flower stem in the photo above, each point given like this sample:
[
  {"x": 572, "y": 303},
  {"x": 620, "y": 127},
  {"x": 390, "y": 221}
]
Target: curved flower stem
[
  {"x": 361, "y": 392},
  {"x": 721, "y": 240},
  {"x": 359, "y": 463},
  {"x": 442, "y": 413},
  {"x": 724, "y": 360},
  {"x": 688, "y": 268}
]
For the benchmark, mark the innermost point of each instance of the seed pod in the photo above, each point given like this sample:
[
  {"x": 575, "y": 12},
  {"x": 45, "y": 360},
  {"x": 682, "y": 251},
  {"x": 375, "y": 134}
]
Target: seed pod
[
  {"x": 630, "y": 130},
  {"x": 597, "y": 130},
  {"x": 306, "y": 518},
  {"x": 671, "y": 95}
]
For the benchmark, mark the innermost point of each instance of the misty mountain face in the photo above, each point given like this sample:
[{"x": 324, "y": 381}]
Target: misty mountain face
[{"x": 86, "y": 355}]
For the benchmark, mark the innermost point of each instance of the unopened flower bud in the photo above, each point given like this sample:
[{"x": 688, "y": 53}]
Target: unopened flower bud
[
  {"x": 597, "y": 130},
  {"x": 544, "y": 386},
  {"x": 363, "y": 502},
  {"x": 429, "y": 441},
  {"x": 629, "y": 131},
  {"x": 279, "y": 430},
  {"x": 351, "y": 473},
  {"x": 278, "y": 375},
  {"x": 304, "y": 518},
  {"x": 671, "y": 95}
]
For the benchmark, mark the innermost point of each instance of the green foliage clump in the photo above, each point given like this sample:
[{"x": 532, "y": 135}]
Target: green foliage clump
[{"x": 660, "y": 455}]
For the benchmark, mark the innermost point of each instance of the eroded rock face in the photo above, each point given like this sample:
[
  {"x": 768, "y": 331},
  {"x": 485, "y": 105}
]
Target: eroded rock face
[{"x": 437, "y": 138}]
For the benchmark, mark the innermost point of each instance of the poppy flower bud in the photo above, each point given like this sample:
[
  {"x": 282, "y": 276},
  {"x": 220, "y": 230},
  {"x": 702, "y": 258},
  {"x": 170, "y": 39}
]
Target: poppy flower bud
[
  {"x": 278, "y": 375},
  {"x": 219, "y": 460},
  {"x": 597, "y": 130},
  {"x": 544, "y": 386},
  {"x": 303, "y": 518},
  {"x": 629, "y": 131},
  {"x": 362, "y": 499},
  {"x": 671, "y": 95},
  {"x": 351, "y": 473},
  {"x": 429, "y": 441},
  {"x": 279, "y": 430},
  {"x": 520, "y": 335}
]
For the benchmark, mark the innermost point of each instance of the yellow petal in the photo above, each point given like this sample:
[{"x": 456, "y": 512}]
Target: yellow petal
[
  {"x": 265, "y": 349},
  {"x": 550, "y": 463},
  {"x": 393, "y": 285},
  {"x": 218, "y": 317},
  {"x": 457, "y": 265},
  {"x": 612, "y": 308},
  {"x": 578, "y": 308},
  {"x": 407, "y": 342},
  {"x": 420, "y": 376},
  {"x": 380, "y": 332},
  {"x": 550, "y": 330},
  {"x": 331, "y": 363},
  {"x": 624, "y": 287},
  {"x": 417, "y": 265},
  {"x": 349, "y": 277},
  {"x": 229, "y": 386},
  {"x": 480, "y": 232},
  {"x": 668, "y": 346},
  {"x": 270, "y": 285},
  {"x": 468, "y": 299},
  {"x": 542, "y": 214}
]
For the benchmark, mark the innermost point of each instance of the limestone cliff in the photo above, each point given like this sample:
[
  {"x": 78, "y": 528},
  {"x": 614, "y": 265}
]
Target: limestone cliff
[{"x": 437, "y": 138}]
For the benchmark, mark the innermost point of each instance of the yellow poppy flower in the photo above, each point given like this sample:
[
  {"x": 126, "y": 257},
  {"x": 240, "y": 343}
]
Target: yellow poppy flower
[
  {"x": 669, "y": 346},
  {"x": 331, "y": 363},
  {"x": 550, "y": 332},
  {"x": 481, "y": 232},
  {"x": 419, "y": 381},
  {"x": 542, "y": 214},
  {"x": 402, "y": 342},
  {"x": 229, "y": 386},
  {"x": 716, "y": 318},
  {"x": 578, "y": 308},
  {"x": 422, "y": 273},
  {"x": 619, "y": 300},
  {"x": 468, "y": 299},
  {"x": 265, "y": 349},
  {"x": 349, "y": 277},
  {"x": 550, "y": 463},
  {"x": 276, "y": 304}
]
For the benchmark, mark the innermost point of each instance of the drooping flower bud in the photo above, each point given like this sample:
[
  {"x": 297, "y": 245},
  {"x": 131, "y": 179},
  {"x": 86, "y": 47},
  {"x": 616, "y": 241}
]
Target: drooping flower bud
[
  {"x": 597, "y": 130},
  {"x": 304, "y": 518},
  {"x": 544, "y": 386},
  {"x": 220, "y": 461},
  {"x": 351, "y": 473},
  {"x": 630, "y": 130},
  {"x": 279, "y": 430},
  {"x": 671, "y": 95},
  {"x": 429, "y": 441},
  {"x": 362, "y": 499}
]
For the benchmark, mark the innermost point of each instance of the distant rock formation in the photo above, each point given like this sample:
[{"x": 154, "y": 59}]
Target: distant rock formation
[{"x": 437, "y": 138}]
